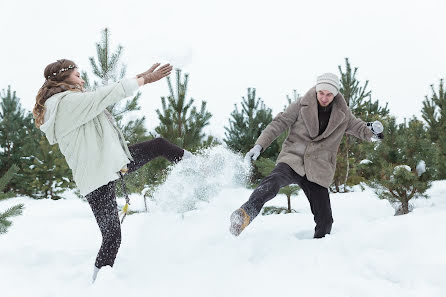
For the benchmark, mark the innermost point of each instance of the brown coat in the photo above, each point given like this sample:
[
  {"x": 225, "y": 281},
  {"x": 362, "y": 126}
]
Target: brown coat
[{"x": 305, "y": 151}]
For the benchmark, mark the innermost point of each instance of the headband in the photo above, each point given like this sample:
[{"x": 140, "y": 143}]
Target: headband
[{"x": 62, "y": 70}]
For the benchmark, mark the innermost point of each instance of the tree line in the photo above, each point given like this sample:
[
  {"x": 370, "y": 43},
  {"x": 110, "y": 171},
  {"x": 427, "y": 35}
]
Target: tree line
[{"x": 399, "y": 168}]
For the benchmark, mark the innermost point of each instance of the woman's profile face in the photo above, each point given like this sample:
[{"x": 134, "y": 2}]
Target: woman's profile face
[{"x": 75, "y": 78}]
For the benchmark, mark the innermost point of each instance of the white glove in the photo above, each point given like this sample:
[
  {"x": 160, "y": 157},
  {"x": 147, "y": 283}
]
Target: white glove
[
  {"x": 253, "y": 153},
  {"x": 376, "y": 127}
]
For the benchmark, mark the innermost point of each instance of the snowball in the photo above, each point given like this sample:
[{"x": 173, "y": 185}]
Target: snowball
[
  {"x": 401, "y": 167},
  {"x": 421, "y": 167}
]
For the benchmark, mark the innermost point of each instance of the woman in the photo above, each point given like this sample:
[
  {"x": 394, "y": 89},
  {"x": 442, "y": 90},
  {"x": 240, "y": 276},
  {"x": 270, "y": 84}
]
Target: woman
[{"x": 93, "y": 145}]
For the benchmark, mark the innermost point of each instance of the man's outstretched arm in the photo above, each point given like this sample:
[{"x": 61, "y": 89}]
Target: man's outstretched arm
[
  {"x": 363, "y": 130},
  {"x": 279, "y": 124}
]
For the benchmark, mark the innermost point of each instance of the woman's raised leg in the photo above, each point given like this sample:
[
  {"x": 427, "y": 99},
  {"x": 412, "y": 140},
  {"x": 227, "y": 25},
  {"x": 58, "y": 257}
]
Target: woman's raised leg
[{"x": 146, "y": 151}]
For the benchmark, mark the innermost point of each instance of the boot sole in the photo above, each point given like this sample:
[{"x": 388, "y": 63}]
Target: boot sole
[{"x": 239, "y": 220}]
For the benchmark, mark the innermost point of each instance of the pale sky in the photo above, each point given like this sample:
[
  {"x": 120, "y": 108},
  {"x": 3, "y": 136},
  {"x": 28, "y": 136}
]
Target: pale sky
[{"x": 228, "y": 46}]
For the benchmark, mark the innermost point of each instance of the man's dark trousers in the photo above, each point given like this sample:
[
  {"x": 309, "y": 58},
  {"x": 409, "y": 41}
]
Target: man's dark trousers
[{"x": 283, "y": 175}]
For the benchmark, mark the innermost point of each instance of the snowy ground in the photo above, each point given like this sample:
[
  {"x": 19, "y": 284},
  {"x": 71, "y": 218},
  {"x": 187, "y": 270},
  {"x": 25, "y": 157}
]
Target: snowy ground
[{"x": 51, "y": 248}]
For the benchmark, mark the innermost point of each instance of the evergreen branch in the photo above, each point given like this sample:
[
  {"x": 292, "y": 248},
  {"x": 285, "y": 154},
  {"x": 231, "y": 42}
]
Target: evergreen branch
[
  {"x": 123, "y": 71},
  {"x": 169, "y": 85},
  {"x": 13, "y": 211},
  {"x": 8, "y": 195},
  {"x": 178, "y": 71},
  {"x": 5, "y": 179},
  {"x": 95, "y": 67}
]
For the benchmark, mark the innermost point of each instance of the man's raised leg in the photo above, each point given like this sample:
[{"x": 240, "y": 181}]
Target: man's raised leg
[{"x": 281, "y": 176}]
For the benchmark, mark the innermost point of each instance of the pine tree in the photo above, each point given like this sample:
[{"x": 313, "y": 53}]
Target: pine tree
[
  {"x": 20, "y": 139},
  {"x": 351, "y": 150},
  {"x": 403, "y": 164},
  {"x": 109, "y": 69},
  {"x": 434, "y": 113},
  {"x": 51, "y": 173},
  {"x": 180, "y": 121},
  {"x": 13, "y": 133},
  {"x": 14, "y": 210},
  {"x": 246, "y": 125}
]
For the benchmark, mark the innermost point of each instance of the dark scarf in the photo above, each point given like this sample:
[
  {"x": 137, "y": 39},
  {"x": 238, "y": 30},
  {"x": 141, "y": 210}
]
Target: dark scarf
[{"x": 323, "y": 113}]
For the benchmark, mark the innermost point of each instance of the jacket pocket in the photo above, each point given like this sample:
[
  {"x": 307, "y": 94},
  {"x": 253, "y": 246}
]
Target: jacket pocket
[{"x": 327, "y": 157}]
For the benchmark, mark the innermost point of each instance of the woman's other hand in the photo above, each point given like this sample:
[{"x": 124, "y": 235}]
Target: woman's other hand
[{"x": 154, "y": 74}]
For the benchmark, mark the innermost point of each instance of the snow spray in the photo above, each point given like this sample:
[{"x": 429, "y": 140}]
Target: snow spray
[{"x": 193, "y": 182}]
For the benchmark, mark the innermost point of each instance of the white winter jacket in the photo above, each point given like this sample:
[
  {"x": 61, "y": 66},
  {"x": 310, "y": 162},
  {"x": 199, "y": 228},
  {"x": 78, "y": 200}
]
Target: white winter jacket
[{"x": 92, "y": 144}]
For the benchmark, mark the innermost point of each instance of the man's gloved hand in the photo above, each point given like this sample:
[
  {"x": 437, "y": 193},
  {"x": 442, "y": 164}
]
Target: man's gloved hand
[
  {"x": 153, "y": 75},
  {"x": 377, "y": 128},
  {"x": 254, "y": 153}
]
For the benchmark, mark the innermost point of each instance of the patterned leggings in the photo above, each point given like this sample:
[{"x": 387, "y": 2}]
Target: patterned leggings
[{"x": 103, "y": 200}]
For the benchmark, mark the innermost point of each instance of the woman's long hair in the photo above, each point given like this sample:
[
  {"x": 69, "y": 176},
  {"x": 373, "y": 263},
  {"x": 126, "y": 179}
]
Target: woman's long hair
[{"x": 56, "y": 75}]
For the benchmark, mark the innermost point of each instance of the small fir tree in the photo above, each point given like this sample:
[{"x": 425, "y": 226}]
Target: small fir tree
[
  {"x": 403, "y": 164},
  {"x": 20, "y": 139},
  {"x": 434, "y": 113},
  {"x": 351, "y": 151},
  {"x": 246, "y": 125},
  {"x": 52, "y": 176},
  {"x": 108, "y": 68},
  {"x": 14, "y": 125},
  {"x": 15, "y": 210},
  {"x": 182, "y": 124},
  {"x": 180, "y": 121}
]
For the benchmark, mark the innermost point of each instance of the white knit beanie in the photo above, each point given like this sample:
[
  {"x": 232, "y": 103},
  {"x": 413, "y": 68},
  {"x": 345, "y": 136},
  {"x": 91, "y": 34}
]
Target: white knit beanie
[{"x": 328, "y": 82}]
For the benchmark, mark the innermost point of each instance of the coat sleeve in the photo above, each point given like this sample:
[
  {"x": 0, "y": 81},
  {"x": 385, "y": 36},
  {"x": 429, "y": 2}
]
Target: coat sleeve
[
  {"x": 358, "y": 128},
  {"x": 78, "y": 108},
  {"x": 279, "y": 124}
]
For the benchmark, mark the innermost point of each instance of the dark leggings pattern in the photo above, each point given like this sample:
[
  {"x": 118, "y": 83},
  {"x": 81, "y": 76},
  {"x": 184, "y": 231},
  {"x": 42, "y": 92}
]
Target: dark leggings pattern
[
  {"x": 283, "y": 175},
  {"x": 103, "y": 200}
]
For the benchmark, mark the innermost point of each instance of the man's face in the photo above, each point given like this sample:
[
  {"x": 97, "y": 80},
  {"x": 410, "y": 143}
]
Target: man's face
[{"x": 324, "y": 97}]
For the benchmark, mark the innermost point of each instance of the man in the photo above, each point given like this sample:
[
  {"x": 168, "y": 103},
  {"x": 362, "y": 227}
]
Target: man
[{"x": 317, "y": 123}]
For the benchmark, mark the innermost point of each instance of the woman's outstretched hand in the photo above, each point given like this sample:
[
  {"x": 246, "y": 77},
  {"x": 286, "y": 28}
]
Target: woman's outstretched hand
[{"x": 154, "y": 74}]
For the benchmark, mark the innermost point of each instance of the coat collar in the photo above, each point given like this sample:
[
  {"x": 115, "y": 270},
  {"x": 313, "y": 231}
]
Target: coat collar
[{"x": 310, "y": 116}]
